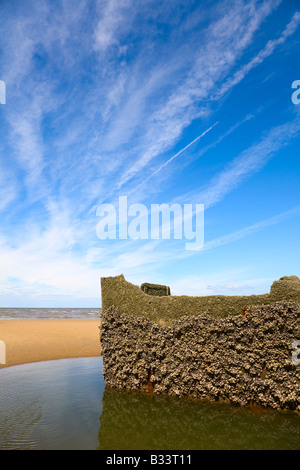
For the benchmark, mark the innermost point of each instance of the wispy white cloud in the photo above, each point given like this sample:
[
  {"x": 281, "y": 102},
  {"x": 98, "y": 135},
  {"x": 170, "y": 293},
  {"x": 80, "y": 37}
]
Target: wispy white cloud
[
  {"x": 220, "y": 48},
  {"x": 259, "y": 58},
  {"x": 112, "y": 24},
  {"x": 8, "y": 188},
  {"x": 49, "y": 263},
  {"x": 239, "y": 234},
  {"x": 154, "y": 188},
  {"x": 125, "y": 94},
  {"x": 249, "y": 162},
  {"x": 173, "y": 158},
  {"x": 221, "y": 283},
  {"x": 46, "y": 259},
  {"x": 89, "y": 111}
]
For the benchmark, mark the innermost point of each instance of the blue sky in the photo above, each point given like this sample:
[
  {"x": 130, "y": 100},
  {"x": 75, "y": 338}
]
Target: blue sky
[{"x": 101, "y": 97}]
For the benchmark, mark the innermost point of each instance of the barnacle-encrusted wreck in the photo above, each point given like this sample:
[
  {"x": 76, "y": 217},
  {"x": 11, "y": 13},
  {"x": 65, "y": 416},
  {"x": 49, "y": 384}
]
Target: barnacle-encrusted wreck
[{"x": 237, "y": 349}]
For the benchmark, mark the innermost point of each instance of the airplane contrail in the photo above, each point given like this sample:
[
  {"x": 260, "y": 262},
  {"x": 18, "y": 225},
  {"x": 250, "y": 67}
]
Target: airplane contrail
[{"x": 174, "y": 156}]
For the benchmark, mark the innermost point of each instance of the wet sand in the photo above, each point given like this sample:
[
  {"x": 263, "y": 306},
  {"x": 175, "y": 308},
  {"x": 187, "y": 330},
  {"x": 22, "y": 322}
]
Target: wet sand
[{"x": 29, "y": 341}]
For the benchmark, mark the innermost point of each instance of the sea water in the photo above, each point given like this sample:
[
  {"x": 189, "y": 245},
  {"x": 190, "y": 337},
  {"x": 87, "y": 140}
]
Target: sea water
[
  {"x": 64, "y": 404},
  {"x": 48, "y": 313}
]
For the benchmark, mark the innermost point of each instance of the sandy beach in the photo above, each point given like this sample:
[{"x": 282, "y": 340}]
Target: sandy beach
[{"x": 44, "y": 340}]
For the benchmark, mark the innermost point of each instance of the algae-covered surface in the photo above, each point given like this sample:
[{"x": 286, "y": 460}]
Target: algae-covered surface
[
  {"x": 229, "y": 348},
  {"x": 238, "y": 359},
  {"x": 155, "y": 289},
  {"x": 132, "y": 300}
]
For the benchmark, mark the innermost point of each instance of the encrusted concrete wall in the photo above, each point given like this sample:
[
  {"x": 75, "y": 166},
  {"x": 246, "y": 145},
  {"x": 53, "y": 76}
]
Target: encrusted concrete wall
[
  {"x": 155, "y": 289},
  {"x": 131, "y": 299},
  {"x": 243, "y": 358}
]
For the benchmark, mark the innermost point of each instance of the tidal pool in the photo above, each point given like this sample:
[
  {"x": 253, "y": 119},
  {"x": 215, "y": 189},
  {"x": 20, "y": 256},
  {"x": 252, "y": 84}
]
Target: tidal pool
[{"x": 64, "y": 405}]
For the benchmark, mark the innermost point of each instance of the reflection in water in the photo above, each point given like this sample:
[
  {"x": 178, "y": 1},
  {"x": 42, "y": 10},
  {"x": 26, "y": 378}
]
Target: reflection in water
[
  {"x": 134, "y": 420},
  {"x": 61, "y": 404}
]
